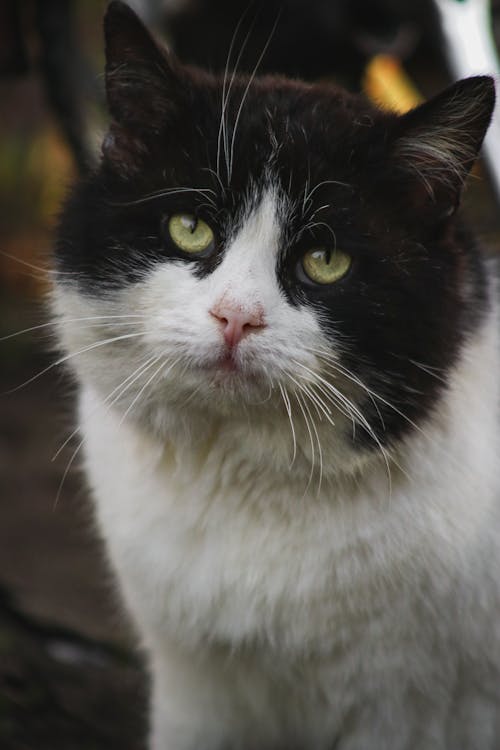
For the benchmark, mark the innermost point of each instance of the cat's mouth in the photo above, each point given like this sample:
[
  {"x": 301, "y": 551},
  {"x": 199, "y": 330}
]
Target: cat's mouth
[
  {"x": 229, "y": 371},
  {"x": 228, "y": 363},
  {"x": 229, "y": 367}
]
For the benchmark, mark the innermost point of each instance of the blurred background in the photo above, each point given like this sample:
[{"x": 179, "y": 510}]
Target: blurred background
[{"x": 68, "y": 674}]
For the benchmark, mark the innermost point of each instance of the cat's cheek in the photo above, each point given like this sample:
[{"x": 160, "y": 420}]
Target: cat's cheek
[{"x": 176, "y": 305}]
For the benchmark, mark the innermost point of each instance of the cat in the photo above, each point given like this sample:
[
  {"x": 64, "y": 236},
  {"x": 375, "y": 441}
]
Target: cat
[{"x": 286, "y": 345}]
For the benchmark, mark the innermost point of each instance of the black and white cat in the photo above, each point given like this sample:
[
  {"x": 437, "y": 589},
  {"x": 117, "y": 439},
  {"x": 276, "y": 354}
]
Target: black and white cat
[{"x": 288, "y": 357}]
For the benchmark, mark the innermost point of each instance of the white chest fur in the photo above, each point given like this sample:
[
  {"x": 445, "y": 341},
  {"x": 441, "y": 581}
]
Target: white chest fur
[{"x": 215, "y": 551}]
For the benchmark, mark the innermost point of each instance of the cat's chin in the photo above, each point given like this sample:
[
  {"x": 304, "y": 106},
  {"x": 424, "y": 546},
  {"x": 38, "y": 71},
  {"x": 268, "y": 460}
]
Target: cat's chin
[
  {"x": 230, "y": 380},
  {"x": 227, "y": 364},
  {"x": 229, "y": 371}
]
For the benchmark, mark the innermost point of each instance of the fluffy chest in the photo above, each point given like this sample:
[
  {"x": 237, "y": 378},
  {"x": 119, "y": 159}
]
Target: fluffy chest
[{"x": 208, "y": 547}]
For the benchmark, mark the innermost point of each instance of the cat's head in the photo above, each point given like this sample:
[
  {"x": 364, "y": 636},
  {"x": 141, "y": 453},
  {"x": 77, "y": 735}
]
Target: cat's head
[{"x": 269, "y": 249}]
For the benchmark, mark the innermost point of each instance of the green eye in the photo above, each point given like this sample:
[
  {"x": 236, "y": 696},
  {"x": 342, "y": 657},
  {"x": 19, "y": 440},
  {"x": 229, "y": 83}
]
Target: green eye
[
  {"x": 324, "y": 266},
  {"x": 190, "y": 234}
]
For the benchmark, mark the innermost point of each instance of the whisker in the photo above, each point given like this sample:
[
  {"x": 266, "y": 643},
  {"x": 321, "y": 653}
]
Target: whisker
[
  {"x": 109, "y": 406},
  {"x": 52, "y": 324},
  {"x": 332, "y": 363},
  {"x": 216, "y": 176},
  {"x": 311, "y": 192},
  {"x": 288, "y": 409},
  {"x": 66, "y": 472},
  {"x": 432, "y": 371},
  {"x": 67, "y": 357},
  {"x": 308, "y": 428},
  {"x": 235, "y": 68},
  {"x": 321, "y": 208},
  {"x": 243, "y": 98},
  {"x": 308, "y": 178},
  {"x": 323, "y": 224},
  {"x": 320, "y": 407},
  {"x": 143, "y": 367},
  {"x": 193, "y": 394},
  {"x": 139, "y": 394},
  {"x": 374, "y": 395},
  {"x": 222, "y": 134},
  {"x": 320, "y": 452},
  {"x": 164, "y": 194},
  {"x": 360, "y": 417},
  {"x": 334, "y": 391},
  {"x": 39, "y": 269}
]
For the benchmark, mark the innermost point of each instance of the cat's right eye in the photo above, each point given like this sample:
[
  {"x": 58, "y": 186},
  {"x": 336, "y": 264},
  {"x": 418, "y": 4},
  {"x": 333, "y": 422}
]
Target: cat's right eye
[{"x": 190, "y": 234}]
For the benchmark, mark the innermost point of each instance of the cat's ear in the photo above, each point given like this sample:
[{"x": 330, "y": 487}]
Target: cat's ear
[
  {"x": 436, "y": 144},
  {"x": 142, "y": 80}
]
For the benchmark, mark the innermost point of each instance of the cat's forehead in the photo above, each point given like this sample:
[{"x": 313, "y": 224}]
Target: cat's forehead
[
  {"x": 240, "y": 135},
  {"x": 288, "y": 106},
  {"x": 248, "y": 148}
]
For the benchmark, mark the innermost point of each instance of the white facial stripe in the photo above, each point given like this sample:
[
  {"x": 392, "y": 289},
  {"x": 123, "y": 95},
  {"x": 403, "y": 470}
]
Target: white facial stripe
[
  {"x": 257, "y": 242},
  {"x": 247, "y": 273}
]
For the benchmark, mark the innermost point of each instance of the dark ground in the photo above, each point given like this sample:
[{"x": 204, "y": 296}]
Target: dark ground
[{"x": 69, "y": 679}]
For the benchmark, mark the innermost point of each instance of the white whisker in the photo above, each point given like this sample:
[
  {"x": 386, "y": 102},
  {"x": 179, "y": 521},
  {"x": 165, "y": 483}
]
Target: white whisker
[
  {"x": 328, "y": 227},
  {"x": 245, "y": 93},
  {"x": 222, "y": 134},
  {"x": 311, "y": 441},
  {"x": 39, "y": 269},
  {"x": 336, "y": 394},
  {"x": 228, "y": 93},
  {"x": 288, "y": 408},
  {"x": 164, "y": 194},
  {"x": 332, "y": 363},
  {"x": 309, "y": 195},
  {"x": 315, "y": 430},
  {"x": 52, "y": 324},
  {"x": 67, "y": 357},
  {"x": 139, "y": 394},
  {"x": 143, "y": 367},
  {"x": 432, "y": 371},
  {"x": 66, "y": 472},
  {"x": 321, "y": 408}
]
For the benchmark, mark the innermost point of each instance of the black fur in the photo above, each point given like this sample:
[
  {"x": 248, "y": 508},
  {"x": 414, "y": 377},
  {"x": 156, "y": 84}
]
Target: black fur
[{"x": 416, "y": 287}]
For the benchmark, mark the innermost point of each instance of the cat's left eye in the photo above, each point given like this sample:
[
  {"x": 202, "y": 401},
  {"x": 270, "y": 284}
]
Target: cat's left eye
[
  {"x": 190, "y": 234},
  {"x": 325, "y": 266}
]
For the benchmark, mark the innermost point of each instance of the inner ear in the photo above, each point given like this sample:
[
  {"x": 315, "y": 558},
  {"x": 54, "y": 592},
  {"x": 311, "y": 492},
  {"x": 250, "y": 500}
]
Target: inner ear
[{"x": 434, "y": 146}]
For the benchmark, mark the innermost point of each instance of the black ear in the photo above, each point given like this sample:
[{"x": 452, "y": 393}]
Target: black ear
[
  {"x": 143, "y": 83},
  {"x": 437, "y": 143}
]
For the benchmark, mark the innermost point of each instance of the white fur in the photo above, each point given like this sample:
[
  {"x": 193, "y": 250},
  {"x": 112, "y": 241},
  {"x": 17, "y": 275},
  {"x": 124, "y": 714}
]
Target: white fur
[{"x": 347, "y": 611}]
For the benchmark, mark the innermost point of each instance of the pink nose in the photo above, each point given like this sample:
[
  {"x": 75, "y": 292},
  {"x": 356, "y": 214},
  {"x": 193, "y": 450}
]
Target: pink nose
[{"x": 236, "y": 321}]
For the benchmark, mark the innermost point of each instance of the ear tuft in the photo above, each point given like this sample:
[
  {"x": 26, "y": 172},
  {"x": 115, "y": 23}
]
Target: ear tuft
[
  {"x": 439, "y": 141},
  {"x": 126, "y": 36},
  {"x": 141, "y": 81}
]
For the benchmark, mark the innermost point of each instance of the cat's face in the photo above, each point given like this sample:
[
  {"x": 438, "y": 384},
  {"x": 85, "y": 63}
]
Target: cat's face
[{"x": 269, "y": 247}]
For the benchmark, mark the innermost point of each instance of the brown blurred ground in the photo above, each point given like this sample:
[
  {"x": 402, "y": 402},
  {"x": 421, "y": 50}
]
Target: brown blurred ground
[{"x": 68, "y": 676}]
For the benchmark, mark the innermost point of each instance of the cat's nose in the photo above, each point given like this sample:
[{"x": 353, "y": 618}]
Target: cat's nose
[{"x": 236, "y": 321}]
